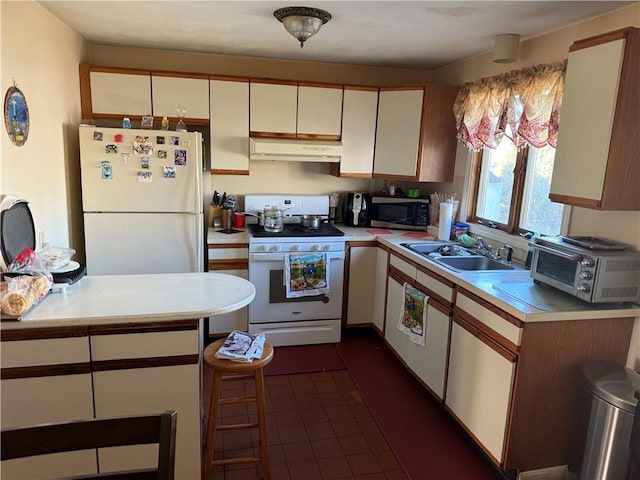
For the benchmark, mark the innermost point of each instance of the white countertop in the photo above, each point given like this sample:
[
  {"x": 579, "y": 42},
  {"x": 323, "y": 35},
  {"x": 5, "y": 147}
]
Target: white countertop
[
  {"x": 526, "y": 301},
  {"x": 217, "y": 236},
  {"x": 524, "y": 296},
  {"x": 126, "y": 298}
]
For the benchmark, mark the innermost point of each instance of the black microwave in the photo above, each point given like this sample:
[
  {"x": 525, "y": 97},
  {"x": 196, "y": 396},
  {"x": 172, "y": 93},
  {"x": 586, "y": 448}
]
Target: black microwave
[{"x": 404, "y": 213}]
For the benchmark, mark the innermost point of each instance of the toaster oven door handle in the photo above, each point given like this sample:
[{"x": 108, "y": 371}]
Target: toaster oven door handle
[{"x": 560, "y": 253}]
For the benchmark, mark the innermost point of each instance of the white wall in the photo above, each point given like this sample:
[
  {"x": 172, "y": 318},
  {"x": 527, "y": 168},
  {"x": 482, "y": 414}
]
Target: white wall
[{"x": 42, "y": 55}]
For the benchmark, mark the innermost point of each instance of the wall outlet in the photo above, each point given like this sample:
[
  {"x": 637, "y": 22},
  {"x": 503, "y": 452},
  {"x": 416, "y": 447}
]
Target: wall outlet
[{"x": 41, "y": 240}]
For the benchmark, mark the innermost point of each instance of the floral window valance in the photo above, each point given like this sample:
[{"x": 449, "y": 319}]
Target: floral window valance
[{"x": 523, "y": 105}]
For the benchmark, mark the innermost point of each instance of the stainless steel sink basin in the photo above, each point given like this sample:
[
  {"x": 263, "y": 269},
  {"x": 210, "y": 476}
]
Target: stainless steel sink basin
[
  {"x": 473, "y": 263},
  {"x": 425, "y": 248}
]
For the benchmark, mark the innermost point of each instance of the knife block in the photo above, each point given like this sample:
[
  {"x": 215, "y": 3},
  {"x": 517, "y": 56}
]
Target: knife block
[{"x": 215, "y": 216}]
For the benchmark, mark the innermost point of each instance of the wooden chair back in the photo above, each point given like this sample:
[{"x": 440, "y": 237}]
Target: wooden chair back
[{"x": 98, "y": 433}]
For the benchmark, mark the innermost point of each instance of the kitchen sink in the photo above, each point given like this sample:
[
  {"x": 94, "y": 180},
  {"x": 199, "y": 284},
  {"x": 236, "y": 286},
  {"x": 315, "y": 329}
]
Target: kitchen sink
[
  {"x": 436, "y": 248},
  {"x": 472, "y": 263}
]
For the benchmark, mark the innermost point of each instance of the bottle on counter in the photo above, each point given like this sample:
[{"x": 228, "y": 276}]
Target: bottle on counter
[{"x": 392, "y": 189}]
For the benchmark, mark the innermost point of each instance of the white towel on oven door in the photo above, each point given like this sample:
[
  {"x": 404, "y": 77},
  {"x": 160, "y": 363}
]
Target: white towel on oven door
[{"x": 306, "y": 274}]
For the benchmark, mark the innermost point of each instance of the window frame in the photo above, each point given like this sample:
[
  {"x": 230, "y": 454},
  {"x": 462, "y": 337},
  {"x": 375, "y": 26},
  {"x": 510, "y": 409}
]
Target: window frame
[{"x": 515, "y": 207}]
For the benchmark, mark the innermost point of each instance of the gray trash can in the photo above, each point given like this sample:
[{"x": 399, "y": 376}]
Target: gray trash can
[{"x": 607, "y": 451}]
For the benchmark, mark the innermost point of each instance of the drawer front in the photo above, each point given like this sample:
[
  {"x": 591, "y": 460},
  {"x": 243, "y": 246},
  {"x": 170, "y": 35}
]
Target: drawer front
[
  {"x": 144, "y": 345},
  {"x": 404, "y": 267},
  {"x": 489, "y": 318},
  {"x": 441, "y": 289},
  {"x": 34, "y": 400},
  {"x": 229, "y": 253},
  {"x": 54, "y": 351}
]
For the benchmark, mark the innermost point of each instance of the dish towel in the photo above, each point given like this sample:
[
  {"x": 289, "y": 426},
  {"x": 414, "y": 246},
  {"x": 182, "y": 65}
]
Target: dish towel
[
  {"x": 242, "y": 347},
  {"x": 413, "y": 315},
  {"x": 306, "y": 275}
]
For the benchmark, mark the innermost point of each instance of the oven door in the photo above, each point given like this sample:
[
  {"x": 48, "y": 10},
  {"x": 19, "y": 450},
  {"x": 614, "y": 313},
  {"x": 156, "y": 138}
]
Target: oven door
[
  {"x": 556, "y": 268},
  {"x": 267, "y": 273}
]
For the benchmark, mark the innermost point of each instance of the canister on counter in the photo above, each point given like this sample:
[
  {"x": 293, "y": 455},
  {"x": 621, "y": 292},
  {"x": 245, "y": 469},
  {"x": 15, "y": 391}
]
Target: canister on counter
[
  {"x": 460, "y": 229},
  {"x": 226, "y": 218}
]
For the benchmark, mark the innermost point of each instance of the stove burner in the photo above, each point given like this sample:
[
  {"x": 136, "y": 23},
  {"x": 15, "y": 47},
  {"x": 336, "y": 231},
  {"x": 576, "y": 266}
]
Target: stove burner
[{"x": 296, "y": 230}]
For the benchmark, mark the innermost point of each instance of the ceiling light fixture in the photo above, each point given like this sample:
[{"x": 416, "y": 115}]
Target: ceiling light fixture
[
  {"x": 302, "y": 22},
  {"x": 505, "y": 48}
]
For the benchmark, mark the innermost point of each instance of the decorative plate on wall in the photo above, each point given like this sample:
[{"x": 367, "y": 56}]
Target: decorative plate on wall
[{"x": 16, "y": 116}]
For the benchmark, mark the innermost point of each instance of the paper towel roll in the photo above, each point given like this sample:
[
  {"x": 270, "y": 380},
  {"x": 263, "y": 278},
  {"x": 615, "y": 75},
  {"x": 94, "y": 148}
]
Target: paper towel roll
[{"x": 444, "y": 227}]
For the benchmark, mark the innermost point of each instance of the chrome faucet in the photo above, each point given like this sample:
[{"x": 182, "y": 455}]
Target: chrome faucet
[
  {"x": 482, "y": 247},
  {"x": 509, "y": 250}
]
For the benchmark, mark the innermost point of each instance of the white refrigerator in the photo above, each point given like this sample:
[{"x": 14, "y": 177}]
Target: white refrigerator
[{"x": 142, "y": 200}]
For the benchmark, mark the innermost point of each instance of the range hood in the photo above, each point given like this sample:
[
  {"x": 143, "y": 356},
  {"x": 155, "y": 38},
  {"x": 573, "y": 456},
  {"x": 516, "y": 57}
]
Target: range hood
[{"x": 294, "y": 150}]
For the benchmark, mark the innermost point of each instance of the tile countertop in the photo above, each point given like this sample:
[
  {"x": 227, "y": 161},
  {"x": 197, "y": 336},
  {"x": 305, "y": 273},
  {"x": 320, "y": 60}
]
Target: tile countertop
[
  {"x": 526, "y": 301},
  {"x": 113, "y": 299}
]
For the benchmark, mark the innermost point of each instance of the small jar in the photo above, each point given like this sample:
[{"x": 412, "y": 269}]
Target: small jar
[
  {"x": 460, "y": 229},
  {"x": 392, "y": 189}
]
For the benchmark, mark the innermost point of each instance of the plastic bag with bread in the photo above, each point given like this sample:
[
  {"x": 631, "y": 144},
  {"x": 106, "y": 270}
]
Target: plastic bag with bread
[{"x": 23, "y": 292}]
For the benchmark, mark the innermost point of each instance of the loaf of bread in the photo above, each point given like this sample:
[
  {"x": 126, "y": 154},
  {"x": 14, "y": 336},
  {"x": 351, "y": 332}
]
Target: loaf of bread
[{"x": 23, "y": 292}]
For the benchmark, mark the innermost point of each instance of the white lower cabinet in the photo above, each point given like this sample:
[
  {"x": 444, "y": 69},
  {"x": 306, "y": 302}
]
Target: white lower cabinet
[
  {"x": 396, "y": 339},
  {"x": 46, "y": 380},
  {"x": 479, "y": 388},
  {"x": 231, "y": 259},
  {"x": 362, "y": 283},
  {"x": 152, "y": 390},
  {"x": 429, "y": 361},
  {"x": 236, "y": 320},
  {"x": 139, "y": 370},
  {"x": 380, "y": 289}
]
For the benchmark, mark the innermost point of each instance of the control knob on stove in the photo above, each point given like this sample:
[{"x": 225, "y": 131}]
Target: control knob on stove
[
  {"x": 326, "y": 248},
  {"x": 274, "y": 248},
  {"x": 314, "y": 248},
  {"x": 294, "y": 248}
]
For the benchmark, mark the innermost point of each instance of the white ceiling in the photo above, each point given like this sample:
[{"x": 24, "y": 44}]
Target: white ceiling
[{"x": 413, "y": 34}]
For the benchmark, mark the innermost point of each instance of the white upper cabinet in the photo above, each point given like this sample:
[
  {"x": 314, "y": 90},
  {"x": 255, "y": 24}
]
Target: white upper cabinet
[
  {"x": 229, "y": 126},
  {"x": 398, "y": 132},
  {"x": 285, "y": 110},
  {"x": 171, "y": 91},
  {"x": 319, "y": 111},
  {"x": 416, "y": 136},
  {"x": 273, "y": 108},
  {"x": 359, "y": 114},
  {"x": 598, "y": 125},
  {"x": 120, "y": 93}
]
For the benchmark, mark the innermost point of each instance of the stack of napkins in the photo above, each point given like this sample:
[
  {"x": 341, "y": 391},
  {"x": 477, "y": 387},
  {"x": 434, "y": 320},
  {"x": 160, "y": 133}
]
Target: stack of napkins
[{"x": 242, "y": 347}]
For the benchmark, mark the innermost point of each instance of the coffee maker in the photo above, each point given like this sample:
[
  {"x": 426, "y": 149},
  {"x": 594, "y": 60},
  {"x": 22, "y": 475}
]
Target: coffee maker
[{"x": 356, "y": 209}]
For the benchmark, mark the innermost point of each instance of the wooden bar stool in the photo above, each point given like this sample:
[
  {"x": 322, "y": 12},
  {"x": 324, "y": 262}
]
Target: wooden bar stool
[{"x": 235, "y": 371}]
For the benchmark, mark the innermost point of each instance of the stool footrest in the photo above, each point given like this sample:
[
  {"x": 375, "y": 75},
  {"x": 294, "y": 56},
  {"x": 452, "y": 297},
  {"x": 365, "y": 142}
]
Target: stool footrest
[
  {"x": 237, "y": 426},
  {"x": 232, "y": 461},
  {"x": 243, "y": 376},
  {"x": 226, "y": 401}
]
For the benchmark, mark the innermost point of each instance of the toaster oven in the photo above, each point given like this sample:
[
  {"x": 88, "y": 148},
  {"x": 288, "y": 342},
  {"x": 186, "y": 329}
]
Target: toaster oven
[{"x": 591, "y": 269}]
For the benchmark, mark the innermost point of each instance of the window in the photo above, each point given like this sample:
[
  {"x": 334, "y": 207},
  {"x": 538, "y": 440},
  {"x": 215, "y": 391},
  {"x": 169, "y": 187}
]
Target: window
[{"x": 510, "y": 189}]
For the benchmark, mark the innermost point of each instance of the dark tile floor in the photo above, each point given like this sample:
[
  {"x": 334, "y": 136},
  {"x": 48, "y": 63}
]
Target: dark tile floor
[{"x": 371, "y": 421}]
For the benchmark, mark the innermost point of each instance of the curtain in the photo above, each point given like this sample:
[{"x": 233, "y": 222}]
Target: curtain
[{"x": 523, "y": 105}]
